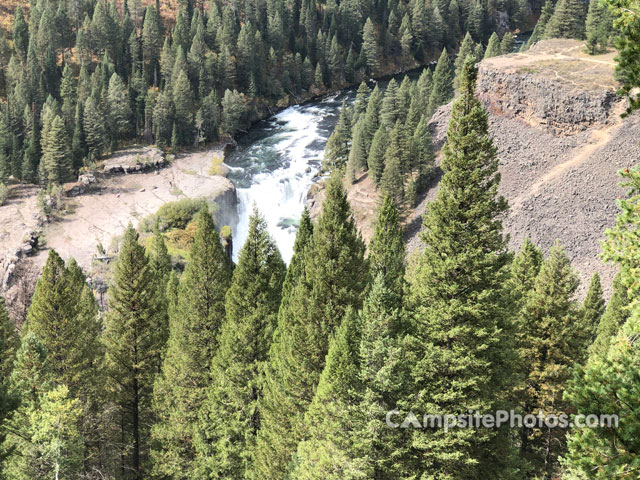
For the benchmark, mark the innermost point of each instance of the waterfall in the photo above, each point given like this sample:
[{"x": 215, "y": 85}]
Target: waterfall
[{"x": 274, "y": 165}]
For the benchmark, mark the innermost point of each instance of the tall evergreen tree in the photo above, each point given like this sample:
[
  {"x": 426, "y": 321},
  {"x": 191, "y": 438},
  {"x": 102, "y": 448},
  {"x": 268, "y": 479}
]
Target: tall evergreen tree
[
  {"x": 370, "y": 47},
  {"x": 335, "y": 274},
  {"x": 593, "y": 308},
  {"x": 442, "y": 90},
  {"x": 493, "y": 48},
  {"x": 392, "y": 180},
  {"x": 386, "y": 250},
  {"x": 119, "y": 110},
  {"x": 193, "y": 341},
  {"x": 599, "y": 27},
  {"x": 327, "y": 451},
  {"x": 554, "y": 342},
  {"x": 458, "y": 299},
  {"x": 151, "y": 45},
  {"x": 337, "y": 149},
  {"x": 132, "y": 344},
  {"x": 376, "y": 159},
  {"x": 184, "y": 108},
  {"x": 539, "y": 30},
  {"x": 231, "y": 416},
  {"x": 615, "y": 315},
  {"x": 507, "y": 44},
  {"x": 56, "y": 154},
  {"x": 63, "y": 314},
  {"x": 467, "y": 49},
  {"x": 567, "y": 21},
  {"x": 30, "y": 379},
  {"x": 94, "y": 128}
]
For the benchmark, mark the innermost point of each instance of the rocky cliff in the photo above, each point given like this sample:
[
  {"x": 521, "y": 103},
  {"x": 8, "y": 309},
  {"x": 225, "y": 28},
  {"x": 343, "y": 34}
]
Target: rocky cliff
[{"x": 555, "y": 120}]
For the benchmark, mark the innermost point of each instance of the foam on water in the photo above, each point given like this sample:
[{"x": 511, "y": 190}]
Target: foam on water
[{"x": 280, "y": 193}]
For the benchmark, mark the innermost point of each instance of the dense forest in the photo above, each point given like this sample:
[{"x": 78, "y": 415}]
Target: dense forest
[
  {"x": 80, "y": 78},
  {"x": 260, "y": 370}
]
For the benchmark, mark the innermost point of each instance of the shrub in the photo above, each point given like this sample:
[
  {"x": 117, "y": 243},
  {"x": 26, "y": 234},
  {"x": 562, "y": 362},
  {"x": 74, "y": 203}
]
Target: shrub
[{"x": 172, "y": 215}]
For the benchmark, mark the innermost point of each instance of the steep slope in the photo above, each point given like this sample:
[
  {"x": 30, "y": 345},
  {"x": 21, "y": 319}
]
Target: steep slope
[{"x": 556, "y": 122}]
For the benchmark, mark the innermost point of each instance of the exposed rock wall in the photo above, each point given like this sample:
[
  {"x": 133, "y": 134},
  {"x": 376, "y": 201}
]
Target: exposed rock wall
[{"x": 542, "y": 101}]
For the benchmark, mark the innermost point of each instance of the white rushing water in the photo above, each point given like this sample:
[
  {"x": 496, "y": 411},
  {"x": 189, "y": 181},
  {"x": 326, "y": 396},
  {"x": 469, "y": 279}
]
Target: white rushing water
[{"x": 274, "y": 165}]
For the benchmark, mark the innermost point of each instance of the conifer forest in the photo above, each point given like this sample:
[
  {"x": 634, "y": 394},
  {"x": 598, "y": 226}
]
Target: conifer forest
[{"x": 319, "y": 239}]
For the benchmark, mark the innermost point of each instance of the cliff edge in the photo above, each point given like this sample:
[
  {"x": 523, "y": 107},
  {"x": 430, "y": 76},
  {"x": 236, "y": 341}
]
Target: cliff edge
[{"x": 555, "y": 120}]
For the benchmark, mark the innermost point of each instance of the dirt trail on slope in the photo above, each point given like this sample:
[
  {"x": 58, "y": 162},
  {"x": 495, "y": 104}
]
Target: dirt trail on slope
[{"x": 597, "y": 140}]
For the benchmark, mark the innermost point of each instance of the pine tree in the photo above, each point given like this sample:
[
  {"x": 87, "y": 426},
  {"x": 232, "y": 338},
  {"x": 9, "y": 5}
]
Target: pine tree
[
  {"x": 493, "y": 48},
  {"x": 119, "y": 110},
  {"x": 553, "y": 341},
  {"x": 327, "y": 450},
  {"x": 376, "y": 160},
  {"x": 507, "y": 44},
  {"x": 193, "y": 339},
  {"x": 592, "y": 309},
  {"x": 20, "y": 33},
  {"x": 392, "y": 180},
  {"x": 383, "y": 374},
  {"x": 233, "y": 109},
  {"x": 132, "y": 344},
  {"x": 184, "y": 108},
  {"x": 386, "y": 249},
  {"x": 539, "y": 30},
  {"x": 372, "y": 116},
  {"x": 370, "y": 47},
  {"x": 467, "y": 49},
  {"x": 477, "y": 21},
  {"x": 615, "y": 315},
  {"x": 627, "y": 26},
  {"x": 336, "y": 152},
  {"x": 358, "y": 152},
  {"x": 231, "y": 415},
  {"x": 361, "y": 102},
  {"x": 567, "y": 21},
  {"x": 296, "y": 265},
  {"x": 55, "y": 439},
  {"x": 425, "y": 85},
  {"x": 422, "y": 154},
  {"x": 30, "y": 379},
  {"x": 459, "y": 304},
  {"x": 63, "y": 314},
  {"x": 78, "y": 143},
  {"x": 390, "y": 108},
  {"x": 163, "y": 118},
  {"x": 161, "y": 268},
  {"x": 335, "y": 274},
  {"x": 524, "y": 270},
  {"x": 68, "y": 96},
  {"x": 151, "y": 45},
  {"x": 56, "y": 154},
  {"x": 94, "y": 129},
  {"x": 599, "y": 27},
  {"x": 442, "y": 84}
]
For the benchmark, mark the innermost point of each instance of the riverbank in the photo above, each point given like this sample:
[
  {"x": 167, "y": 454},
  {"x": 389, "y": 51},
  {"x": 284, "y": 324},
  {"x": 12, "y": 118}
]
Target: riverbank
[{"x": 97, "y": 211}]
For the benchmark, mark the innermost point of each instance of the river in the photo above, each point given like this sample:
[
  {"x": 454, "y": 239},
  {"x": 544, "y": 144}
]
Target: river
[{"x": 274, "y": 164}]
